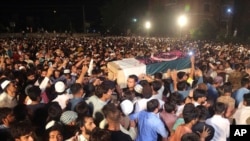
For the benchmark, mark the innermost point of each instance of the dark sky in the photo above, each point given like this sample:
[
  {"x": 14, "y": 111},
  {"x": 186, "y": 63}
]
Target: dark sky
[
  {"x": 40, "y": 6},
  {"x": 42, "y": 11}
]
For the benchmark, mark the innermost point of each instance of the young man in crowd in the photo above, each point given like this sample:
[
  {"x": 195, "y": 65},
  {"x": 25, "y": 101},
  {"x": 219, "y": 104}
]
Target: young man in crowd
[
  {"x": 86, "y": 125},
  {"x": 113, "y": 117},
  {"x": 149, "y": 124},
  {"x": 220, "y": 124}
]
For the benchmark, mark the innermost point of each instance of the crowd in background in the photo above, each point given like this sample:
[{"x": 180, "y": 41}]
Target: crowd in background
[{"x": 58, "y": 89}]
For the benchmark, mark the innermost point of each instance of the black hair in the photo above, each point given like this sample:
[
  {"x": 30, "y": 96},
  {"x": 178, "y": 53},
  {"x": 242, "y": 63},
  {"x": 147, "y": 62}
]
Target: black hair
[
  {"x": 20, "y": 129},
  {"x": 75, "y": 88},
  {"x": 227, "y": 87},
  {"x": 156, "y": 85},
  {"x": 100, "y": 135},
  {"x": 111, "y": 112},
  {"x": 34, "y": 92},
  {"x": 190, "y": 137},
  {"x": 219, "y": 108},
  {"x": 244, "y": 81},
  {"x": 101, "y": 89},
  {"x": 82, "y": 109},
  {"x": 169, "y": 107},
  {"x": 147, "y": 91},
  {"x": 152, "y": 105},
  {"x": 203, "y": 112},
  {"x": 55, "y": 127},
  {"x": 189, "y": 113},
  {"x": 181, "y": 85},
  {"x": 247, "y": 99},
  {"x": 54, "y": 111},
  {"x": 133, "y": 77},
  {"x": 80, "y": 121},
  {"x": 198, "y": 93},
  {"x": 158, "y": 75},
  {"x": 4, "y": 112}
]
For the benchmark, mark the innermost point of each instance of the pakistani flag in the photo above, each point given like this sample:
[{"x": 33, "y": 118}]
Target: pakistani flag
[{"x": 147, "y": 65}]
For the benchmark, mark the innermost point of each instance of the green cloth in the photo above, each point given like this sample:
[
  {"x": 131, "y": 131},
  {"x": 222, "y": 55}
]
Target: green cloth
[
  {"x": 178, "y": 64},
  {"x": 178, "y": 122}
]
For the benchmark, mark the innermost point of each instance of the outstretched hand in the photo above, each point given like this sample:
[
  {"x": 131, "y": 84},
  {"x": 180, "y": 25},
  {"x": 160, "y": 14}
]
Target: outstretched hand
[{"x": 205, "y": 133}]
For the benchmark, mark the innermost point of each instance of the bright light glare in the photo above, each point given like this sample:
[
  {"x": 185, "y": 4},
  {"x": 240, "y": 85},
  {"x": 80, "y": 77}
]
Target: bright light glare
[
  {"x": 229, "y": 10},
  {"x": 147, "y": 25},
  {"x": 190, "y": 53},
  {"x": 134, "y": 20},
  {"x": 182, "y": 21}
]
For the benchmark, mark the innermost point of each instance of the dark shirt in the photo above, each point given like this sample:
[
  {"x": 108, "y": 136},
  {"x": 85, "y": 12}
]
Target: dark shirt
[
  {"x": 33, "y": 108},
  {"x": 199, "y": 126},
  {"x": 119, "y": 136}
]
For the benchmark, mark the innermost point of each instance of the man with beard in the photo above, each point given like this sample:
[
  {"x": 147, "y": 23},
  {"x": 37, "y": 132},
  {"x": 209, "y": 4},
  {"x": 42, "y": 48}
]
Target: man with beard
[
  {"x": 8, "y": 98},
  {"x": 199, "y": 97},
  {"x": 86, "y": 125}
]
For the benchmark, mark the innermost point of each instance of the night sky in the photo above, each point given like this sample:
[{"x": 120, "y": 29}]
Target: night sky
[{"x": 42, "y": 13}]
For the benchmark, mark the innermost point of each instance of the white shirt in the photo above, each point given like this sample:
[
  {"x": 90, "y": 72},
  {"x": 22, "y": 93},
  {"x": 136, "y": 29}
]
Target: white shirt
[
  {"x": 196, "y": 103},
  {"x": 142, "y": 103},
  {"x": 62, "y": 99},
  {"x": 97, "y": 104},
  {"x": 81, "y": 138},
  {"x": 160, "y": 92},
  {"x": 7, "y": 101},
  {"x": 241, "y": 115},
  {"x": 221, "y": 127}
]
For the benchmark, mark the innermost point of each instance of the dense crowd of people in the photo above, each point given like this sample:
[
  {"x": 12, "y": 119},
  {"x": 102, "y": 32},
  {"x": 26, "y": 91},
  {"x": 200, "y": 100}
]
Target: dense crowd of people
[{"x": 56, "y": 89}]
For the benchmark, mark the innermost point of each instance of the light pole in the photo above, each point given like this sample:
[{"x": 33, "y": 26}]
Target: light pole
[{"x": 182, "y": 21}]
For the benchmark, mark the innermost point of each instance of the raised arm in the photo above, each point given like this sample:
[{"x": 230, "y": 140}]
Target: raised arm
[{"x": 83, "y": 72}]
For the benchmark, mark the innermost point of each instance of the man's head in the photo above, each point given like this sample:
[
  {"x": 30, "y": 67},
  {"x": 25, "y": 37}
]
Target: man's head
[
  {"x": 219, "y": 108},
  {"x": 22, "y": 131},
  {"x": 132, "y": 80},
  {"x": 69, "y": 118},
  {"x": 60, "y": 87},
  {"x": 86, "y": 124},
  {"x": 77, "y": 89},
  {"x": 103, "y": 91},
  {"x": 227, "y": 88},
  {"x": 54, "y": 131},
  {"x": 6, "y": 116},
  {"x": 9, "y": 87},
  {"x": 182, "y": 76},
  {"x": 100, "y": 135},
  {"x": 218, "y": 81},
  {"x": 200, "y": 96},
  {"x": 170, "y": 107},
  {"x": 245, "y": 82},
  {"x": 181, "y": 85},
  {"x": 153, "y": 106},
  {"x": 156, "y": 85},
  {"x": 203, "y": 112},
  {"x": 158, "y": 76},
  {"x": 246, "y": 100},
  {"x": 112, "y": 113},
  {"x": 190, "y": 114},
  {"x": 34, "y": 93}
]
